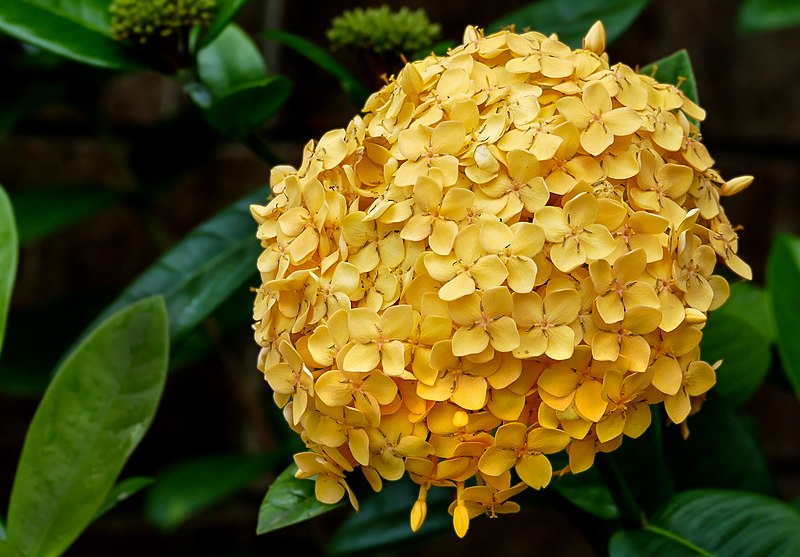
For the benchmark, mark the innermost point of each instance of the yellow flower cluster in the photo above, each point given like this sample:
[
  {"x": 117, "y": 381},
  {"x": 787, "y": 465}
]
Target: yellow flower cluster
[{"x": 511, "y": 254}]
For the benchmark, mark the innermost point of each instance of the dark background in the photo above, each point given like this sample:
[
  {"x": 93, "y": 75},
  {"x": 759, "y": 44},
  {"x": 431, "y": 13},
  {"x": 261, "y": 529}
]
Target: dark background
[{"x": 137, "y": 135}]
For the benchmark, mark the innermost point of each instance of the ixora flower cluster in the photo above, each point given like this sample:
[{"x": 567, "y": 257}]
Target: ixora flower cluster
[{"x": 509, "y": 255}]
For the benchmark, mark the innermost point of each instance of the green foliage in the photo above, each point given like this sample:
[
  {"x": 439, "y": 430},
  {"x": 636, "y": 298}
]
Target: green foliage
[
  {"x": 588, "y": 492},
  {"x": 200, "y": 272},
  {"x": 571, "y": 19},
  {"x": 720, "y": 452},
  {"x": 236, "y": 94},
  {"x": 142, "y": 19},
  {"x": 349, "y": 82},
  {"x": 189, "y": 487},
  {"x": 227, "y": 10},
  {"x": 380, "y": 30},
  {"x": 783, "y": 276},
  {"x": 289, "y": 500},
  {"x": 740, "y": 334},
  {"x": 8, "y": 259},
  {"x": 95, "y": 412},
  {"x": 676, "y": 69},
  {"x": 42, "y": 212},
  {"x": 768, "y": 15},
  {"x": 382, "y": 521},
  {"x": 716, "y": 523},
  {"x": 124, "y": 490},
  {"x": 76, "y": 29}
]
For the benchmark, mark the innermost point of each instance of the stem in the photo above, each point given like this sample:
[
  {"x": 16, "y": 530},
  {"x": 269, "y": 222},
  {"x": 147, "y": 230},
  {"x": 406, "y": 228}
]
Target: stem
[
  {"x": 631, "y": 514},
  {"x": 256, "y": 143}
]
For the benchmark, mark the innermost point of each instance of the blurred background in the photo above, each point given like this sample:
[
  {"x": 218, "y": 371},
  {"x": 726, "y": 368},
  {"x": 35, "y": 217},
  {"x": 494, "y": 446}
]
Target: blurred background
[{"x": 135, "y": 167}]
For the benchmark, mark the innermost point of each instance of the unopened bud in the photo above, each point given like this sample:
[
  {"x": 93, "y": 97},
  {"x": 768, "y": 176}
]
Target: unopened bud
[
  {"x": 735, "y": 185},
  {"x": 595, "y": 39}
]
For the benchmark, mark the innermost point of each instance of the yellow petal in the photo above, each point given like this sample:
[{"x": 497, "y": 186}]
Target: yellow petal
[
  {"x": 535, "y": 470},
  {"x": 469, "y": 340},
  {"x": 589, "y": 400},
  {"x": 470, "y": 392}
]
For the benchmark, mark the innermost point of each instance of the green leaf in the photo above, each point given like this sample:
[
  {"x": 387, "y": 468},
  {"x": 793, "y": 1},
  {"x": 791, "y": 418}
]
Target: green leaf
[
  {"x": 203, "y": 270},
  {"x": 717, "y": 523},
  {"x": 92, "y": 416},
  {"x": 45, "y": 211},
  {"x": 720, "y": 452},
  {"x": 2, "y": 529},
  {"x": 350, "y": 84},
  {"x": 642, "y": 465},
  {"x": 8, "y": 259},
  {"x": 289, "y": 500},
  {"x": 676, "y": 69},
  {"x": 7, "y": 550},
  {"x": 571, "y": 19},
  {"x": 187, "y": 488},
  {"x": 125, "y": 489},
  {"x": 739, "y": 334},
  {"x": 783, "y": 278},
  {"x": 241, "y": 111},
  {"x": 768, "y": 15},
  {"x": 382, "y": 521},
  {"x": 227, "y": 10},
  {"x": 75, "y": 29},
  {"x": 229, "y": 63},
  {"x": 588, "y": 492}
]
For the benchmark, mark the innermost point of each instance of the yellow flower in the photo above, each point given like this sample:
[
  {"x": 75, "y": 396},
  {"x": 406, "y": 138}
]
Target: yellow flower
[{"x": 509, "y": 254}]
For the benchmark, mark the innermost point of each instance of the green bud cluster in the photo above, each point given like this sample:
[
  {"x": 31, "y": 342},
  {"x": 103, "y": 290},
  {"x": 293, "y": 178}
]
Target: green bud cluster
[
  {"x": 383, "y": 31},
  {"x": 141, "y": 19}
]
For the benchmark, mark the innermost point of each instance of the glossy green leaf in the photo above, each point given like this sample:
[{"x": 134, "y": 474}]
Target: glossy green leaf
[
  {"x": 289, "y": 500},
  {"x": 124, "y": 490},
  {"x": 93, "y": 415},
  {"x": 227, "y": 10},
  {"x": 229, "y": 63},
  {"x": 45, "y": 211},
  {"x": 200, "y": 272},
  {"x": 720, "y": 452},
  {"x": 7, "y": 550},
  {"x": 587, "y": 491},
  {"x": 739, "y": 334},
  {"x": 187, "y": 488},
  {"x": 571, "y": 19},
  {"x": 8, "y": 259},
  {"x": 768, "y": 15},
  {"x": 241, "y": 111},
  {"x": 2, "y": 529},
  {"x": 676, "y": 69},
  {"x": 75, "y": 29},
  {"x": 783, "y": 278},
  {"x": 718, "y": 523},
  {"x": 350, "y": 84},
  {"x": 382, "y": 521},
  {"x": 642, "y": 465}
]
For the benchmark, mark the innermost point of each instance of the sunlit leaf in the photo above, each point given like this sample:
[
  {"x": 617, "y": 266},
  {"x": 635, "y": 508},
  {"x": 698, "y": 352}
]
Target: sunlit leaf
[
  {"x": 189, "y": 487},
  {"x": 783, "y": 276},
  {"x": 75, "y": 29},
  {"x": 125, "y": 489},
  {"x": 8, "y": 259},
  {"x": 768, "y": 15},
  {"x": 93, "y": 415},
  {"x": 289, "y": 500},
  {"x": 716, "y": 523},
  {"x": 350, "y": 83},
  {"x": 571, "y": 19}
]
